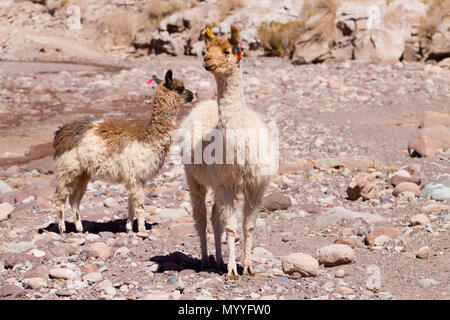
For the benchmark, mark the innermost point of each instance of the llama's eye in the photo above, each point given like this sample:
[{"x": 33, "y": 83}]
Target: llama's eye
[
  {"x": 227, "y": 52},
  {"x": 180, "y": 90}
]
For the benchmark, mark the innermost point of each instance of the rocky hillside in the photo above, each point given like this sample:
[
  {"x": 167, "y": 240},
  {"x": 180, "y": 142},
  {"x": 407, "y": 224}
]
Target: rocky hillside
[{"x": 304, "y": 31}]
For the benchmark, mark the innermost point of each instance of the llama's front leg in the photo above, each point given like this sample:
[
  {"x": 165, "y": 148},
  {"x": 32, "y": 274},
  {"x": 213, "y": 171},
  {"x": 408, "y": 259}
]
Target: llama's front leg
[
  {"x": 130, "y": 220},
  {"x": 137, "y": 205},
  {"x": 249, "y": 226},
  {"x": 225, "y": 207},
  {"x": 198, "y": 194},
  {"x": 218, "y": 230},
  {"x": 60, "y": 211}
]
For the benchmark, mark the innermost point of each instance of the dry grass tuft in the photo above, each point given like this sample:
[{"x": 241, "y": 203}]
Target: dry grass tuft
[
  {"x": 278, "y": 39},
  {"x": 156, "y": 10},
  {"x": 123, "y": 26},
  {"x": 437, "y": 10},
  {"x": 227, "y": 7},
  {"x": 317, "y": 18}
]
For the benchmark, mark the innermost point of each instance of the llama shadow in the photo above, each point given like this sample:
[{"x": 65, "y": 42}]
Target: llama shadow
[
  {"x": 115, "y": 226},
  {"x": 178, "y": 261}
]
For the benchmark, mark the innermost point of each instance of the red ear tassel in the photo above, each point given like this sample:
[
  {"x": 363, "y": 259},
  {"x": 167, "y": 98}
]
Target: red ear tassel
[
  {"x": 240, "y": 52},
  {"x": 150, "y": 80}
]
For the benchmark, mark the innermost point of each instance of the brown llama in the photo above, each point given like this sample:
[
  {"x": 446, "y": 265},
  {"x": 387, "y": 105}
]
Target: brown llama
[{"x": 123, "y": 152}]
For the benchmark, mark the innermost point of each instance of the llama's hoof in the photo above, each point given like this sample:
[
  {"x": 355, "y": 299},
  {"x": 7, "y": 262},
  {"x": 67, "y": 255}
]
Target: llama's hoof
[
  {"x": 129, "y": 227},
  {"x": 233, "y": 276},
  {"x": 205, "y": 263},
  {"x": 232, "y": 273},
  {"x": 220, "y": 265},
  {"x": 141, "y": 229},
  {"x": 62, "y": 227},
  {"x": 248, "y": 270},
  {"x": 79, "y": 227}
]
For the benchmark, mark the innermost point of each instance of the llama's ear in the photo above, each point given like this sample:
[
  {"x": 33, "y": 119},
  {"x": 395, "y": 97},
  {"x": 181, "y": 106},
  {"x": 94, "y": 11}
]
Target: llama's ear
[
  {"x": 208, "y": 34},
  {"x": 157, "y": 80},
  {"x": 235, "y": 37},
  {"x": 169, "y": 81}
]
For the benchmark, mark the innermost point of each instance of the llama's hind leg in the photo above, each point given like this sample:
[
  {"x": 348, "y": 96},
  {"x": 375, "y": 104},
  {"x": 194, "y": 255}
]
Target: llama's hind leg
[
  {"x": 218, "y": 230},
  {"x": 75, "y": 199},
  {"x": 136, "y": 206},
  {"x": 226, "y": 210},
  {"x": 60, "y": 199},
  {"x": 66, "y": 180},
  {"x": 130, "y": 220},
  {"x": 198, "y": 195},
  {"x": 253, "y": 199}
]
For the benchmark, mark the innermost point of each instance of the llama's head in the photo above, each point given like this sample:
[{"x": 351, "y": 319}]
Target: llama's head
[
  {"x": 222, "y": 55},
  {"x": 174, "y": 88}
]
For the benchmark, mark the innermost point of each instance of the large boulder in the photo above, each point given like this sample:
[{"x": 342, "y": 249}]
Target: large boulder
[
  {"x": 428, "y": 140},
  {"x": 387, "y": 30}
]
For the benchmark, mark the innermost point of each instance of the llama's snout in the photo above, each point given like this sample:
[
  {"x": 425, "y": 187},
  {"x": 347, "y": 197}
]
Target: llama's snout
[{"x": 188, "y": 96}]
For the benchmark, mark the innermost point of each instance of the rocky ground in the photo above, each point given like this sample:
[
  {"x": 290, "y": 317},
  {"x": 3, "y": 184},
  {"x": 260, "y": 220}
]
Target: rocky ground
[{"x": 336, "y": 122}]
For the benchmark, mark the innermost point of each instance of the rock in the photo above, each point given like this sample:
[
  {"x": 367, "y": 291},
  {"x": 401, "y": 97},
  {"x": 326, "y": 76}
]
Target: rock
[
  {"x": 337, "y": 214},
  {"x": 335, "y": 254},
  {"x": 93, "y": 277},
  {"x": 158, "y": 295},
  {"x": 419, "y": 219},
  {"x": 302, "y": 263},
  {"x": 396, "y": 180},
  {"x": 260, "y": 223},
  {"x": 35, "y": 283},
  {"x": 110, "y": 291},
  {"x": 363, "y": 185},
  {"x": 45, "y": 165},
  {"x": 440, "y": 192},
  {"x": 309, "y": 50},
  {"x": 435, "y": 208},
  {"x": 172, "y": 214},
  {"x": 62, "y": 273},
  {"x": 428, "y": 140},
  {"x": 433, "y": 118},
  {"x": 37, "y": 253},
  {"x": 110, "y": 202},
  {"x": 4, "y": 187},
  {"x": 182, "y": 229},
  {"x": 276, "y": 201},
  {"x": 288, "y": 215},
  {"x": 382, "y": 240},
  {"x": 264, "y": 253},
  {"x": 37, "y": 272},
  {"x": 382, "y": 228},
  {"x": 423, "y": 253},
  {"x": 10, "y": 290},
  {"x": 5, "y": 211},
  {"x": 406, "y": 186},
  {"x": 426, "y": 283},
  {"x": 348, "y": 242},
  {"x": 345, "y": 291},
  {"x": 340, "y": 273},
  {"x": 99, "y": 250}
]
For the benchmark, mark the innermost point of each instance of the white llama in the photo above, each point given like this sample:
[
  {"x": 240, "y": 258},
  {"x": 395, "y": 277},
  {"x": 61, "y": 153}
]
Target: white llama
[{"x": 228, "y": 115}]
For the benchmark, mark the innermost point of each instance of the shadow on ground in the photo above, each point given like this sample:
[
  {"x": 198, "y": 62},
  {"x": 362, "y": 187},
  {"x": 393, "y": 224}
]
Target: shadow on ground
[
  {"x": 114, "y": 226},
  {"x": 178, "y": 261}
]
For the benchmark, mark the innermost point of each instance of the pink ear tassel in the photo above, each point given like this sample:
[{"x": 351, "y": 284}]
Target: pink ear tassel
[{"x": 150, "y": 80}]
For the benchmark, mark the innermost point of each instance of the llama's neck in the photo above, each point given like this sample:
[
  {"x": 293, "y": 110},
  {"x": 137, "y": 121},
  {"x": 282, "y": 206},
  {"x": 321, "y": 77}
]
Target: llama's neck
[
  {"x": 163, "y": 121},
  {"x": 230, "y": 100}
]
